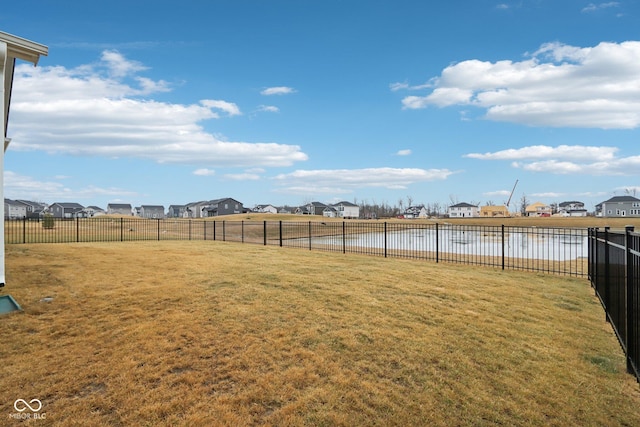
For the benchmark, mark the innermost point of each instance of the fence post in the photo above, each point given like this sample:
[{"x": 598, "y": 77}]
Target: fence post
[
  {"x": 606, "y": 273},
  {"x": 385, "y": 239},
  {"x": 158, "y": 229},
  {"x": 437, "y": 243},
  {"x": 264, "y": 232},
  {"x": 280, "y": 227},
  {"x": 628, "y": 283},
  {"x": 24, "y": 229},
  {"x": 205, "y": 233},
  {"x": 224, "y": 230},
  {"x": 77, "y": 229},
  {"x": 344, "y": 243},
  {"x": 121, "y": 229},
  {"x": 214, "y": 229},
  {"x": 309, "y": 235},
  {"x": 502, "y": 242}
]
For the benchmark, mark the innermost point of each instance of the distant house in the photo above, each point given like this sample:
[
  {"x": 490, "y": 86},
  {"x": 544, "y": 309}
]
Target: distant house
[
  {"x": 313, "y": 208},
  {"x": 572, "y": 208},
  {"x": 538, "y": 209},
  {"x": 13, "y": 209},
  {"x": 413, "y": 212},
  {"x": 500, "y": 211},
  {"x": 464, "y": 210},
  {"x": 347, "y": 210},
  {"x": 34, "y": 209},
  {"x": 330, "y": 212},
  {"x": 177, "y": 211},
  {"x": 119, "y": 209},
  {"x": 285, "y": 210},
  {"x": 225, "y": 206},
  {"x": 265, "y": 209},
  {"x": 619, "y": 206},
  {"x": 195, "y": 209},
  {"x": 151, "y": 211},
  {"x": 66, "y": 210},
  {"x": 91, "y": 211}
]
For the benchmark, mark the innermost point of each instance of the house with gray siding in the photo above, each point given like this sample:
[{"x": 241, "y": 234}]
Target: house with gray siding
[
  {"x": 34, "y": 209},
  {"x": 618, "y": 207},
  {"x": 225, "y": 206},
  {"x": 313, "y": 208},
  {"x": 66, "y": 210},
  {"x": 151, "y": 211},
  {"x": 177, "y": 211},
  {"x": 13, "y": 209}
]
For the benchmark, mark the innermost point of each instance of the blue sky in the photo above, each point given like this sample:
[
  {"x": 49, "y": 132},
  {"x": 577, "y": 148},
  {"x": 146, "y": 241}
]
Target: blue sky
[{"x": 286, "y": 102}]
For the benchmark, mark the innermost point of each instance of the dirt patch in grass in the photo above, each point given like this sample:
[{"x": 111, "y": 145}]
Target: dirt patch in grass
[{"x": 213, "y": 333}]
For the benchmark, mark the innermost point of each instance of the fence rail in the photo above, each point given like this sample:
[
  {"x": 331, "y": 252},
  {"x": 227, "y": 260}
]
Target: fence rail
[
  {"x": 614, "y": 272},
  {"x": 552, "y": 250}
]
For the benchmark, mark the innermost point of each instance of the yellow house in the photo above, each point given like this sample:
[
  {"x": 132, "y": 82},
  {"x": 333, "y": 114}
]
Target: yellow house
[
  {"x": 538, "y": 209},
  {"x": 494, "y": 212}
]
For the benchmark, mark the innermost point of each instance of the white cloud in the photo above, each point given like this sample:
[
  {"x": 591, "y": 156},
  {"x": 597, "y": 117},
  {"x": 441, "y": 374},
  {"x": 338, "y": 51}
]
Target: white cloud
[
  {"x": 204, "y": 172},
  {"x": 559, "y": 86},
  {"x": 228, "y": 107},
  {"x": 94, "y": 110},
  {"x": 277, "y": 90},
  {"x": 403, "y": 152},
  {"x": 591, "y": 7},
  {"x": 268, "y": 109},
  {"x": 340, "y": 181},
  {"x": 575, "y": 152},
  {"x": 566, "y": 159},
  {"x": 242, "y": 176},
  {"x": 26, "y": 187}
]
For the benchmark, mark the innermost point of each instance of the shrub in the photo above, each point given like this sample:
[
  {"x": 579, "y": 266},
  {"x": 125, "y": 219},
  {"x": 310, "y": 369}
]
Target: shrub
[{"x": 48, "y": 222}]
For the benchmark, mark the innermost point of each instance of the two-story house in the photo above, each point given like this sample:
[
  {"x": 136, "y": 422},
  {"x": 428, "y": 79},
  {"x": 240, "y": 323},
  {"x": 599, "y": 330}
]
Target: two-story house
[
  {"x": 418, "y": 211},
  {"x": 66, "y": 210},
  {"x": 538, "y": 209},
  {"x": 151, "y": 211},
  {"x": 463, "y": 210},
  {"x": 347, "y": 210},
  {"x": 619, "y": 206},
  {"x": 13, "y": 209},
  {"x": 572, "y": 208},
  {"x": 225, "y": 206},
  {"x": 177, "y": 211}
]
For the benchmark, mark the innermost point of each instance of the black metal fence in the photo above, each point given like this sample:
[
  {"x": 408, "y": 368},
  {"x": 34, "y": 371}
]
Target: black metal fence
[
  {"x": 550, "y": 250},
  {"x": 614, "y": 272}
]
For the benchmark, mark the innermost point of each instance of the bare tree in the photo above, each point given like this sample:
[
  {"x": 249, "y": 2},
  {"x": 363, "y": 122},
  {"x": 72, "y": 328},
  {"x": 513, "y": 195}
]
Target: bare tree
[{"x": 524, "y": 202}]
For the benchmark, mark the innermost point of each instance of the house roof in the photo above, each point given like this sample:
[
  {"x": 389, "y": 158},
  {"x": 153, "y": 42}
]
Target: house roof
[
  {"x": 119, "y": 206},
  {"x": 69, "y": 205},
  {"x": 463, "y": 205},
  {"x": 618, "y": 199},
  {"x": 152, "y": 207},
  {"x": 575, "y": 202},
  {"x": 345, "y": 203}
]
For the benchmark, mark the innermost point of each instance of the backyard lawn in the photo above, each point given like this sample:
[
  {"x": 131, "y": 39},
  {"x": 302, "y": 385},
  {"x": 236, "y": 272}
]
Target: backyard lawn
[{"x": 207, "y": 333}]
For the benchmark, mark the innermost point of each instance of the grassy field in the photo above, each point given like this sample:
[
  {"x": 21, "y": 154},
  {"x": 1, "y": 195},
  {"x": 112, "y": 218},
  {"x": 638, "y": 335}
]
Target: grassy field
[{"x": 213, "y": 333}]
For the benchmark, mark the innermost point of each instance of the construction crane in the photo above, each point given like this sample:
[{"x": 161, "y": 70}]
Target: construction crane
[{"x": 511, "y": 195}]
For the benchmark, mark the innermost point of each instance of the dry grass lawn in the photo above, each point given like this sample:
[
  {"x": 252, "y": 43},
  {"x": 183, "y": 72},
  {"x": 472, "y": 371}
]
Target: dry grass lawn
[{"x": 214, "y": 333}]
